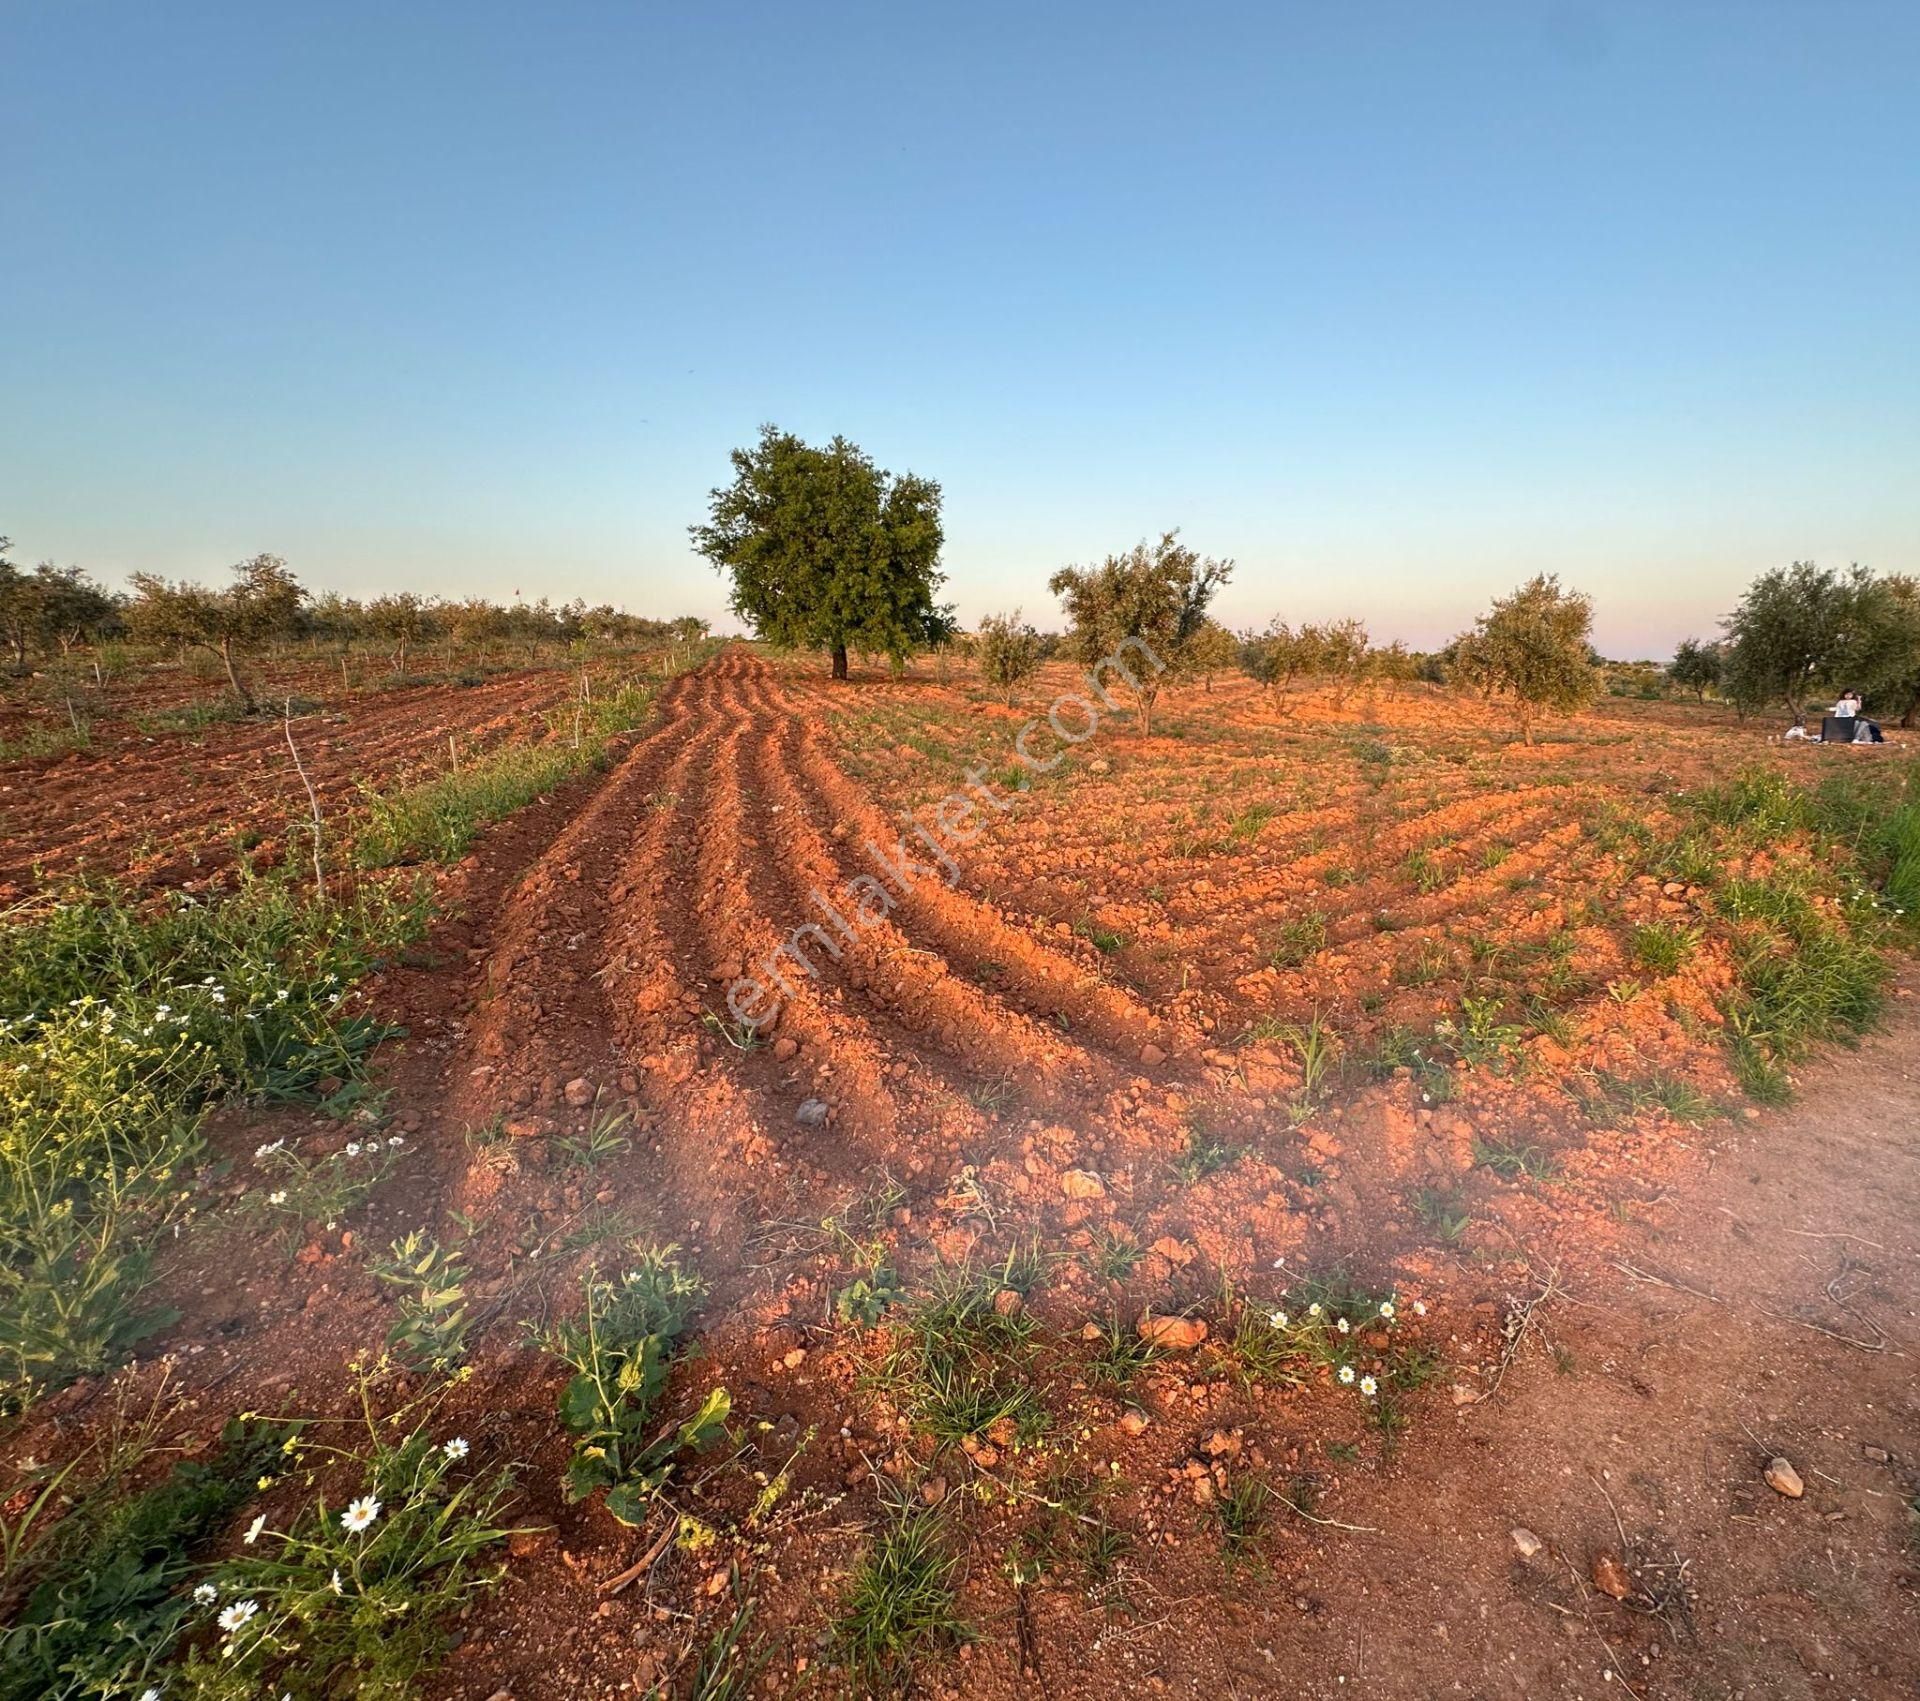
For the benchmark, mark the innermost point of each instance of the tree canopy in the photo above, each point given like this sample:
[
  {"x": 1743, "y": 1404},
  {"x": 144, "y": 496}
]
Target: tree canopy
[
  {"x": 1151, "y": 597},
  {"x": 1696, "y": 666},
  {"x": 1008, "y": 650},
  {"x": 826, "y": 549},
  {"x": 1532, "y": 647},
  {"x": 264, "y": 601},
  {"x": 1798, "y": 628}
]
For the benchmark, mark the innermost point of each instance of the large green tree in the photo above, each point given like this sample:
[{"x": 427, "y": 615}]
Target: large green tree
[
  {"x": 1532, "y": 647},
  {"x": 1149, "y": 602},
  {"x": 826, "y": 549},
  {"x": 1796, "y": 630}
]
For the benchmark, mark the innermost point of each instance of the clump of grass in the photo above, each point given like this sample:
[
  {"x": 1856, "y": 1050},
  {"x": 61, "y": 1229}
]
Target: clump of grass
[
  {"x": 1443, "y": 1212},
  {"x": 1112, "y": 1254},
  {"x": 1261, "y": 1348},
  {"x": 1512, "y": 1161},
  {"x": 601, "y": 1141},
  {"x": 962, "y": 1364},
  {"x": 1663, "y": 947},
  {"x": 1245, "y": 1512},
  {"x": 1103, "y": 939},
  {"x": 1202, "y": 1156},
  {"x": 1479, "y": 1037},
  {"x": 437, "y": 820},
  {"x": 1119, "y": 1355},
  {"x": 1301, "y": 938},
  {"x": 903, "y": 1604}
]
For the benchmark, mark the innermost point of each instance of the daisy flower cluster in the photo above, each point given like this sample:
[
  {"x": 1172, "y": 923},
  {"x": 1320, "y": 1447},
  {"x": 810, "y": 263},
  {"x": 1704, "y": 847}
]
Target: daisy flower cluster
[{"x": 1345, "y": 1332}]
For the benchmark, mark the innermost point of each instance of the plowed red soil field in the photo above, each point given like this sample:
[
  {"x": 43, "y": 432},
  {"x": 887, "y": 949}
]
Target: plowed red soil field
[
  {"x": 176, "y": 808},
  {"x": 1203, "y": 1024}
]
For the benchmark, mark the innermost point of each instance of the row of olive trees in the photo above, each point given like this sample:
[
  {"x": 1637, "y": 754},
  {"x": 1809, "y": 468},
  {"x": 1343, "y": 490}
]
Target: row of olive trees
[
  {"x": 51, "y": 608},
  {"x": 1532, "y": 648},
  {"x": 264, "y": 603},
  {"x": 1803, "y": 631}
]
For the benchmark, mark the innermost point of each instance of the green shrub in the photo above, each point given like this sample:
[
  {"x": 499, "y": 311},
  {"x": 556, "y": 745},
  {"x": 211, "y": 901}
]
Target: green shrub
[{"x": 621, "y": 1349}]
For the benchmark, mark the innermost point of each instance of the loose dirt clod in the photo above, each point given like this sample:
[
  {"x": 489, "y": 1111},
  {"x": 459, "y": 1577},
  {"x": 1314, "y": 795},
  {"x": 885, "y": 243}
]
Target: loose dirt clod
[
  {"x": 1610, "y": 1577},
  {"x": 1782, "y": 1478},
  {"x": 1526, "y": 1543},
  {"x": 1176, "y": 1334},
  {"x": 1082, "y": 1184}
]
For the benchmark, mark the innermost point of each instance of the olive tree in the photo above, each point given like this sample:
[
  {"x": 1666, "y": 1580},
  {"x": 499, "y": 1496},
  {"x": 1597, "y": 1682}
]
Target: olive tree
[
  {"x": 1008, "y": 651},
  {"x": 1695, "y": 667},
  {"x": 1532, "y": 647},
  {"x": 1151, "y": 601},
  {"x": 1796, "y": 628},
  {"x": 263, "y": 602}
]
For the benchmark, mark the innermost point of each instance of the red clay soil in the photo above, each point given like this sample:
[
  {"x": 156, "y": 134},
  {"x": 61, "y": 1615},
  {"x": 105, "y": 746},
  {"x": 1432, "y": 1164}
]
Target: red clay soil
[
  {"x": 1721, "y": 1294},
  {"x": 174, "y": 809}
]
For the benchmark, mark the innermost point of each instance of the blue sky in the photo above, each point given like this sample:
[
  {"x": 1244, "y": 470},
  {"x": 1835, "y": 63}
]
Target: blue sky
[{"x": 1394, "y": 304}]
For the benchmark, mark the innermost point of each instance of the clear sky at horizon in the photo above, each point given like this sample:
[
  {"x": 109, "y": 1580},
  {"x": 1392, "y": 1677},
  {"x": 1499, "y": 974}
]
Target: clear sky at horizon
[{"x": 1392, "y": 305}]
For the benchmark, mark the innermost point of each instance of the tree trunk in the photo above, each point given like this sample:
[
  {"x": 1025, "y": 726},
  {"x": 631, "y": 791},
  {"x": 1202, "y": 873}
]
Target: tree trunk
[
  {"x": 233, "y": 676},
  {"x": 839, "y": 653}
]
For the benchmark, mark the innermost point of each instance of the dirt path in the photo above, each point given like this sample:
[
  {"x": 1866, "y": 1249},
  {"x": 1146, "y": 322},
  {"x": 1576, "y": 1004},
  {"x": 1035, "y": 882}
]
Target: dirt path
[{"x": 1807, "y": 1234}]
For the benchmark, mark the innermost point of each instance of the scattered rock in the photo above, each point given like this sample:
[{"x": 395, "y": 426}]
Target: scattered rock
[
  {"x": 1099, "y": 765},
  {"x": 1610, "y": 1577},
  {"x": 1176, "y": 1334},
  {"x": 1133, "y": 1420},
  {"x": 785, "y": 1048},
  {"x": 933, "y": 1491},
  {"x": 1526, "y": 1543},
  {"x": 795, "y": 1359},
  {"x": 1465, "y": 1396},
  {"x": 1782, "y": 1478},
  {"x": 1008, "y": 1303},
  {"x": 812, "y": 1113},
  {"x": 1174, "y": 1251},
  {"x": 1221, "y": 1445},
  {"x": 1082, "y": 1184},
  {"x": 1879, "y": 1455},
  {"x": 580, "y": 1092},
  {"x": 1152, "y": 1056}
]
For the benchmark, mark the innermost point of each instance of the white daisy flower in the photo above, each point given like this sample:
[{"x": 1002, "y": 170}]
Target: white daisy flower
[
  {"x": 353, "y": 1148},
  {"x": 1346, "y": 1373},
  {"x": 373, "y": 1146},
  {"x": 237, "y": 1615},
  {"x": 1314, "y": 1309},
  {"x": 150, "y": 1694},
  {"x": 359, "y": 1514},
  {"x": 1386, "y": 1308},
  {"x": 335, "y": 1585},
  {"x": 1343, "y": 1325},
  {"x": 1278, "y": 1320},
  {"x": 277, "y": 1197},
  {"x": 267, "y": 1150},
  {"x": 395, "y": 1141},
  {"x": 1368, "y": 1386},
  {"x": 1419, "y": 1308},
  {"x": 254, "y": 1529},
  {"x": 206, "y": 1594},
  {"x": 456, "y": 1448}
]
